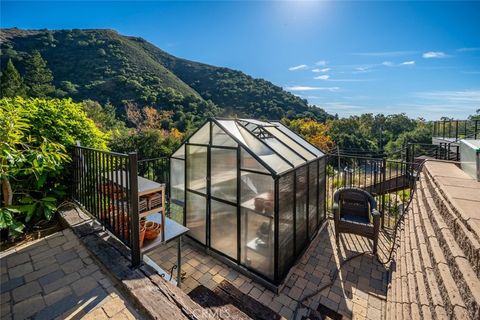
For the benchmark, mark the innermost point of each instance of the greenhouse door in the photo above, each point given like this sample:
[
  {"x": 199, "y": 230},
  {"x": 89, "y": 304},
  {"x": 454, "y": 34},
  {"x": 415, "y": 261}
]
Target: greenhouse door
[
  {"x": 223, "y": 207},
  {"x": 196, "y": 191}
]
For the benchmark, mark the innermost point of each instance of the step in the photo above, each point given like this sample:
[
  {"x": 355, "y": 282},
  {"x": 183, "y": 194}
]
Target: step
[
  {"x": 464, "y": 275},
  {"x": 464, "y": 237},
  {"x": 437, "y": 178},
  {"x": 437, "y": 306},
  {"x": 407, "y": 297},
  {"x": 417, "y": 266},
  {"x": 394, "y": 293},
  {"x": 455, "y": 305},
  {"x": 410, "y": 243}
]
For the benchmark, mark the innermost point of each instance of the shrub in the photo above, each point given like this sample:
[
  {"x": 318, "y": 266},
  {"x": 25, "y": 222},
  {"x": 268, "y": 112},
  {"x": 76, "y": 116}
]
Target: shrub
[{"x": 34, "y": 136}]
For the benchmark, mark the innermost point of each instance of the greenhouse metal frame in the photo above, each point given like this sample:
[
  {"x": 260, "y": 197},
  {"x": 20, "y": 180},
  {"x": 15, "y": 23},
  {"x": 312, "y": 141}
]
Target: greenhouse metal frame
[{"x": 250, "y": 191}]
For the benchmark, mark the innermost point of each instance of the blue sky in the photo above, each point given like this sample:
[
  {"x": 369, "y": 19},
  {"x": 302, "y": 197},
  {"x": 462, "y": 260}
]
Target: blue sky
[{"x": 422, "y": 58}]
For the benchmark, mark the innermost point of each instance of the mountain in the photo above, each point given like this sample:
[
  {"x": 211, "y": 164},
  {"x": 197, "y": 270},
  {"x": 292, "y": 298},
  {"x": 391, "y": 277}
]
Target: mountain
[{"x": 103, "y": 65}]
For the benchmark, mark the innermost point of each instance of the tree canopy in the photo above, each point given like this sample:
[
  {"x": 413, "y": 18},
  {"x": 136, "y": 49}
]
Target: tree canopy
[{"x": 11, "y": 82}]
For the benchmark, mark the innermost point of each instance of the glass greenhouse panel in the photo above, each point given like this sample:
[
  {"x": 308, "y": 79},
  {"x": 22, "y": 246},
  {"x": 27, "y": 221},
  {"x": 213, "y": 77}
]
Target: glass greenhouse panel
[
  {"x": 196, "y": 216},
  {"x": 202, "y": 136},
  {"x": 224, "y": 174},
  {"x": 288, "y": 154},
  {"x": 257, "y": 242},
  {"x": 301, "y": 208},
  {"x": 250, "y": 163},
  {"x": 177, "y": 180},
  {"x": 286, "y": 231},
  {"x": 256, "y": 146},
  {"x": 224, "y": 228},
  {"x": 321, "y": 185},
  {"x": 221, "y": 138},
  {"x": 197, "y": 168},
  {"x": 257, "y": 192},
  {"x": 255, "y": 122},
  {"x": 312, "y": 198},
  {"x": 257, "y": 225},
  {"x": 300, "y": 149},
  {"x": 298, "y": 139},
  {"x": 180, "y": 153},
  {"x": 176, "y": 213}
]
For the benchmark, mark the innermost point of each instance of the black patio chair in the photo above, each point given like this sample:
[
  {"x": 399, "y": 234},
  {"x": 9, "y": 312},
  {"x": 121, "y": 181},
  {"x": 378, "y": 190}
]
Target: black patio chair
[{"x": 351, "y": 209}]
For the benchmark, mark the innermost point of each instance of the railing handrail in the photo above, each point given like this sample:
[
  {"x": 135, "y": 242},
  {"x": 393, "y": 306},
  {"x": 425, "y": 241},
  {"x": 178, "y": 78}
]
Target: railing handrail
[
  {"x": 439, "y": 128},
  {"x": 102, "y": 151},
  {"x": 153, "y": 159}
]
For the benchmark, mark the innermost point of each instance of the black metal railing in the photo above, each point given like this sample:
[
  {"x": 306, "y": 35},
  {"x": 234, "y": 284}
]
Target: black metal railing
[
  {"x": 456, "y": 129},
  {"x": 106, "y": 185},
  {"x": 389, "y": 181},
  {"x": 441, "y": 151},
  {"x": 155, "y": 169}
]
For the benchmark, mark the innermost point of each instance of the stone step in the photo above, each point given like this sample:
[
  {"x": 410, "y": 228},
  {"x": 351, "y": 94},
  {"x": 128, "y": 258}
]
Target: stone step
[
  {"x": 464, "y": 275},
  {"x": 408, "y": 294},
  {"x": 437, "y": 177},
  {"x": 421, "y": 297},
  {"x": 436, "y": 303},
  {"x": 465, "y": 238},
  {"x": 455, "y": 306}
]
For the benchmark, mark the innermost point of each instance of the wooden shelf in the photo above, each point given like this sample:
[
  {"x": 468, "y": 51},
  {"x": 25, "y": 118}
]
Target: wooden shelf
[
  {"x": 250, "y": 205},
  {"x": 144, "y": 214}
]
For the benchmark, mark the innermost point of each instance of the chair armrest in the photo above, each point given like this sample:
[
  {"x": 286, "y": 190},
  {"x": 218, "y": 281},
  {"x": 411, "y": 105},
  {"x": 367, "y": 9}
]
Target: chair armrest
[
  {"x": 336, "y": 211},
  {"x": 376, "y": 221}
]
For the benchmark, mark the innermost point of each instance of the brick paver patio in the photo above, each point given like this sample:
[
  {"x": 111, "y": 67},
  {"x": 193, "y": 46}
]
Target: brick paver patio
[
  {"x": 56, "y": 278},
  {"x": 359, "y": 291}
]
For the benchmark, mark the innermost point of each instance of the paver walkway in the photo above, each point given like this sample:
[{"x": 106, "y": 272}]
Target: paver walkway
[
  {"x": 359, "y": 291},
  {"x": 56, "y": 278}
]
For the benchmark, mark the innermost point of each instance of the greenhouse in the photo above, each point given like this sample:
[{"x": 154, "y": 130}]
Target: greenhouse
[{"x": 251, "y": 192}]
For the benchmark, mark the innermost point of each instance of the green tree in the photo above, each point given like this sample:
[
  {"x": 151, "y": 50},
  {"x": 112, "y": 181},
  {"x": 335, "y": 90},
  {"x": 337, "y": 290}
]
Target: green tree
[
  {"x": 38, "y": 76},
  {"x": 11, "y": 82}
]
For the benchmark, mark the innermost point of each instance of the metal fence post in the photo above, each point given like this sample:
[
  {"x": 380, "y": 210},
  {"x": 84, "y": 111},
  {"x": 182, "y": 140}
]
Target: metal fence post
[
  {"x": 134, "y": 214},
  {"x": 383, "y": 179},
  {"x": 476, "y": 129}
]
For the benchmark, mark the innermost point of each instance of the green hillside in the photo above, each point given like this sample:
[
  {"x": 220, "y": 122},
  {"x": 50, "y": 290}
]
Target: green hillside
[{"x": 105, "y": 66}]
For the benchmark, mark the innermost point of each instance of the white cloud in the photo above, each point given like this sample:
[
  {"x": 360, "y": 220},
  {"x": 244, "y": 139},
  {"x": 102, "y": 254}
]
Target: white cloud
[
  {"x": 391, "y": 64},
  {"x": 321, "y": 63},
  {"x": 364, "y": 68},
  {"x": 321, "y": 70},
  {"x": 463, "y": 96},
  {"x": 299, "y": 67},
  {"x": 308, "y": 88},
  {"x": 384, "y": 53},
  {"x": 350, "y": 80},
  {"x": 468, "y": 49},
  {"x": 434, "y": 54},
  {"x": 322, "y": 77}
]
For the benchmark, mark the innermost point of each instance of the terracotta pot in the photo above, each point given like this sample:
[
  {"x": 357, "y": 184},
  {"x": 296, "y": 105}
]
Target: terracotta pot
[
  {"x": 152, "y": 230},
  {"x": 259, "y": 204},
  {"x": 269, "y": 196},
  {"x": 142, "y": 233},
  {"x": 268, "y": 205}
]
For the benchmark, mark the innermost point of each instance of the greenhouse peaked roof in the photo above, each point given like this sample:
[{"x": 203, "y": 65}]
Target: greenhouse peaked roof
[{"x": 274, "y": 145}]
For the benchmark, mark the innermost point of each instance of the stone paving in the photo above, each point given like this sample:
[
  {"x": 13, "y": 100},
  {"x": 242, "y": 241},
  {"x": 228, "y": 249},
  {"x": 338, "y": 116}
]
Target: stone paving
[
  {"x": 359, "y": 291},
  {"x": 56, "y": 278}
]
